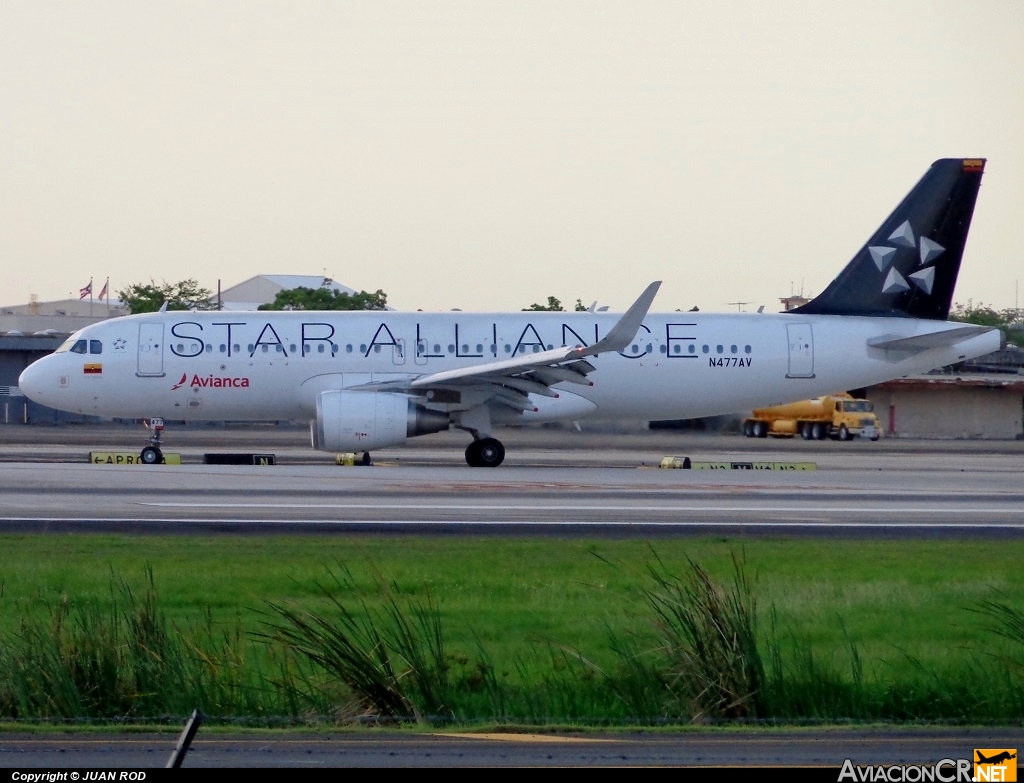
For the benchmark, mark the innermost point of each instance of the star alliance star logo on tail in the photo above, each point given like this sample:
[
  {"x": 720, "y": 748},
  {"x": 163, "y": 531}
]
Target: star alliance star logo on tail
[{"x": 883, "y": 256}]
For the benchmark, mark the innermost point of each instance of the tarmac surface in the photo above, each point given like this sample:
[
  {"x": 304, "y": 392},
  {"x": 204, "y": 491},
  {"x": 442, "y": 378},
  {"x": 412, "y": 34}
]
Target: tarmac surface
[
  {"x": 826, "y": 748},
  {"x": 554, "y": 482}
]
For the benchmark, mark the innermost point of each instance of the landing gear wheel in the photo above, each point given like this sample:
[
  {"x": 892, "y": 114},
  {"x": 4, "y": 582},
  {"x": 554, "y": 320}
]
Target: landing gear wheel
[
  {"x": 151, "y": 455},
  {"x": 485, "y": 453}
]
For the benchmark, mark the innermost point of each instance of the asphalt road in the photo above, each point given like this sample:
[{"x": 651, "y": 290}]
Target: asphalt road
[{"x": 385, "y": 748}]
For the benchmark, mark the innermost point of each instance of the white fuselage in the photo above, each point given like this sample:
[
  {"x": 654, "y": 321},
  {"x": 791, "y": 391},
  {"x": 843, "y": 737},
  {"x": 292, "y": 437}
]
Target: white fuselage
[{"x": 272, "y": 365}]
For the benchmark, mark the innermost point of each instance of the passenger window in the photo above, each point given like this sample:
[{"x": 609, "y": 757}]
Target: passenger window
[
  {"x": 78, "y": 347},
  {"x": 95, "y": 346}
]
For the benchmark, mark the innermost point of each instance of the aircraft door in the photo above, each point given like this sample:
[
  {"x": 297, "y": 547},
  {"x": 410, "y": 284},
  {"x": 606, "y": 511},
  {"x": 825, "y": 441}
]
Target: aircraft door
[
  {"x": 801, "y": 351},
  {"x": 151, "y": 350}
]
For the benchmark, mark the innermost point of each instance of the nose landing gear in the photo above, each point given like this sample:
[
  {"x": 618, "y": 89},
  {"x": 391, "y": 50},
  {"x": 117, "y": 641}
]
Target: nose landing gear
[{"x": 151, "y": 455}]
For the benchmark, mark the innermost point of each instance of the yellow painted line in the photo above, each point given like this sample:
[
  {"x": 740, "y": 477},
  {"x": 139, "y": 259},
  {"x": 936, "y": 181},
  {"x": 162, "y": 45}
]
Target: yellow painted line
[{"x": 529, "y": 738}]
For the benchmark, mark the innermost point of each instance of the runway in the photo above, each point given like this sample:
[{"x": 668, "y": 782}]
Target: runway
[{"x": 613, "y": 490}]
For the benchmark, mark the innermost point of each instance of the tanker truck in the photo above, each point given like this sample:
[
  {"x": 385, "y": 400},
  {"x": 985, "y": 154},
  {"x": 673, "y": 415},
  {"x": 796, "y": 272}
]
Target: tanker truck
[{"x": 838, "y": 416}]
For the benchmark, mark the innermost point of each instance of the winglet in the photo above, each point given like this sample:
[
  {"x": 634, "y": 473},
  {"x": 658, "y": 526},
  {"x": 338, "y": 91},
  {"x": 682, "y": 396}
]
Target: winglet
[{"x": 622, "y": 334}]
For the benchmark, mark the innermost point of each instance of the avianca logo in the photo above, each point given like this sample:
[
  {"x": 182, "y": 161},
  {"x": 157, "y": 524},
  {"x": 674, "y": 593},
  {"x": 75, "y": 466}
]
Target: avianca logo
[{"x": 211, "y": 382}]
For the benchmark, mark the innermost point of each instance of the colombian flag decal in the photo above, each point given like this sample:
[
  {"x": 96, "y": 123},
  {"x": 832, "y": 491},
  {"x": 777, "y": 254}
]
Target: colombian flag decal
[{"x": 93, "y": 369}]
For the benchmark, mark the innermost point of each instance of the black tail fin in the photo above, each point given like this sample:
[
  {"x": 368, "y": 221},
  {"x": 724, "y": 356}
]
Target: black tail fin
[{"x": 909, "y": 267}]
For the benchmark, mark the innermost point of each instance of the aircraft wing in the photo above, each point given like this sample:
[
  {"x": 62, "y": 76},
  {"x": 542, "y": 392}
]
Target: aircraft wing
[{"x": 510, "y": 381}]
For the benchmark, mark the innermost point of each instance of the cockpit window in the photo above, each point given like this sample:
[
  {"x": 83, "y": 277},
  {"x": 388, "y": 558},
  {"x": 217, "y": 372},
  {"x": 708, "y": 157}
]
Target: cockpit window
[
  {"x": 95, "y": 346},
  {"x": 78, "y": 347},
  {"x": 66, "y": 345}
]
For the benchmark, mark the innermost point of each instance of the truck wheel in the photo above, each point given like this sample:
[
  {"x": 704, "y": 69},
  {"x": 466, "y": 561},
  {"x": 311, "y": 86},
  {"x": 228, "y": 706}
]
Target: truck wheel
[
  {"x": 844, "y": 434},
  {"x": 805, "y": 430},
  {"x": 760, "y": 429},
  {"x": 818, "y": 431},
  {"x": 748, "y": 429}
]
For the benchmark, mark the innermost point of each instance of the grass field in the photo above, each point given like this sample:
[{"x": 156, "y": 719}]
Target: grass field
[{"x": 528, "y": 623}]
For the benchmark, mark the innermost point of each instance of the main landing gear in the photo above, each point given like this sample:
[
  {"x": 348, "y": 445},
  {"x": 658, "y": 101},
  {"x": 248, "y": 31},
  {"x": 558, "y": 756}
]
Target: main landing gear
[
  {"x": 485, "y": 453},
  {"x": 151, "y": 455}
]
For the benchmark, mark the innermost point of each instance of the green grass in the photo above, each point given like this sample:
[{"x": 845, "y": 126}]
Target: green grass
[{"x": 528, "y": 623}]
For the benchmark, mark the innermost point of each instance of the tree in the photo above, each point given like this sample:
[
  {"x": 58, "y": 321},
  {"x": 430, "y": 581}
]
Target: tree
[
  {"x": 984, "y": 315},
  {"x": 150, "y": 297},
  {"x": 554, "y": 306},
  {"x": 303, "y": 298}
]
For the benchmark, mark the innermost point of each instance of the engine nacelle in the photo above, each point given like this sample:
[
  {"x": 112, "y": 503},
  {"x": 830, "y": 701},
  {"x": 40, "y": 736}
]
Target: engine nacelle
[{"x": 364, "y": 420}]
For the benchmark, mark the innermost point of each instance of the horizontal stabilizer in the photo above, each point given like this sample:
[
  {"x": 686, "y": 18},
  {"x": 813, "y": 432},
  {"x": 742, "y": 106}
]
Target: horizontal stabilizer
[{"x": 923, "y": 342}]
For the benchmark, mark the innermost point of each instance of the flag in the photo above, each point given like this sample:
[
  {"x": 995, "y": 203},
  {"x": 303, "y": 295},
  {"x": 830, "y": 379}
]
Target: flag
[
  {"x": 103, "y": 291},
  {"x": 86, "y": 291}
]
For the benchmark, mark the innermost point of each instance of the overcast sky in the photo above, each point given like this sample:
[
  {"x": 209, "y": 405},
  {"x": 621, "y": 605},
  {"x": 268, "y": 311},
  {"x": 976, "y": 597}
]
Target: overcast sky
[{"x": 485, "y": 155}]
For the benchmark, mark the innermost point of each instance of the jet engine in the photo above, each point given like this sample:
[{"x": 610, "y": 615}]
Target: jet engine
[{"x": 364, "y": 420}]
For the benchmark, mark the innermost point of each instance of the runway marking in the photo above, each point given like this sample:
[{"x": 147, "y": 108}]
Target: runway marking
[
  {"x": 584, "y": 508},
  {"x": 527, "y": 738}
]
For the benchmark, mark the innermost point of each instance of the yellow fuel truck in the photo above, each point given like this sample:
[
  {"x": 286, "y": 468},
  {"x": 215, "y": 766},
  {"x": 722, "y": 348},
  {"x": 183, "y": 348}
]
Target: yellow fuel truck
[{"x": 838, "y": 416}]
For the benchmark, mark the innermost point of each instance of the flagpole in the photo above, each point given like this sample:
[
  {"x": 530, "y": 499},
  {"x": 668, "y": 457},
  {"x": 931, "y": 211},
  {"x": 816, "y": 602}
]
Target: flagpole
[{"x": 90, "y": 297}]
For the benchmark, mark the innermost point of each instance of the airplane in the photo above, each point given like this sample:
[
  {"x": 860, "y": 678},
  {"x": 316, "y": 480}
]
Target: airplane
[{"x": 371, "y": 380}]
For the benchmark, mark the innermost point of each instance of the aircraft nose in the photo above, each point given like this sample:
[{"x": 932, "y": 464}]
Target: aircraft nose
[{"x": 32, "y": 381}]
